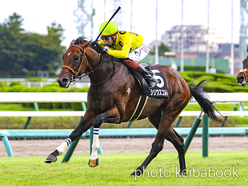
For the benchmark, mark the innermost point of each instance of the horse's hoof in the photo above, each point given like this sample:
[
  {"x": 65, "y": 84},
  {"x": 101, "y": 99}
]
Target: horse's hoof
[
  {"x": 136, "y": 173},
  {"x": 184, "y": 172},
  {"x": 94, "y": 163},
  {"x": 51, "y": 158},
  {"x": 133, "y": 174}
]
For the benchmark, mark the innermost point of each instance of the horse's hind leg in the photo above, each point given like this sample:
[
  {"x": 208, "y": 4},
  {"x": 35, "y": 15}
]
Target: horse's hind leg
[
  {"x": 177, "y": 141},
  {"x": 173, "y": 137},
  {"x": 157, "y": 146},
  {"x": 169, "y": 112}
]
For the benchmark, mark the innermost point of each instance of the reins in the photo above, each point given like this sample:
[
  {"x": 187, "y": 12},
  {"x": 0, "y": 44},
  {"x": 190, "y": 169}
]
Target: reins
[
  {"x": 76, "y": 73},
  {"x": 94, "y": 84}
]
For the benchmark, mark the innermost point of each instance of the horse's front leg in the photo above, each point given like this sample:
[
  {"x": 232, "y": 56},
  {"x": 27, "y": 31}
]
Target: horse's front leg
[
  {"x": 84, "y": 125},
  {"x": 110, "y": 116}
]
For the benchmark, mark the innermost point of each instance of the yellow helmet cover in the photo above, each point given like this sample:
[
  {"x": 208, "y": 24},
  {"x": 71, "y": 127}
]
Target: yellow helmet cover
[{"x": 110, "y": 29}]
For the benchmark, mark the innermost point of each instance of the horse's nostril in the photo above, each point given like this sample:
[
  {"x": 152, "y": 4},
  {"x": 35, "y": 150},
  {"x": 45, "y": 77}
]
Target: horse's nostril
[{"x": 64, "y": 80}]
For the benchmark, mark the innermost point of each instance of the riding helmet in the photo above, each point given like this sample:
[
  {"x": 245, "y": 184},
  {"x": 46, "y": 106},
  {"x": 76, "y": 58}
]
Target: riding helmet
[{"x": 111, "y": 28}]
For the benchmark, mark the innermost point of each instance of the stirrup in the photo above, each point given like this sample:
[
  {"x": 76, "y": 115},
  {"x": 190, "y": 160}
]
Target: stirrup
[{"x": 152, "y": 84}]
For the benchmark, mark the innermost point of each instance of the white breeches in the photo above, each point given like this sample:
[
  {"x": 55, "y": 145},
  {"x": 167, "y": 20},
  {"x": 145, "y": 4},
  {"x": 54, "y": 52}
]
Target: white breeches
[{"x": 139, "y": 53}]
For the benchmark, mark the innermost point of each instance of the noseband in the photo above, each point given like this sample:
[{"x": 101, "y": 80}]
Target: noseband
[{"x": 244, "y": 71}]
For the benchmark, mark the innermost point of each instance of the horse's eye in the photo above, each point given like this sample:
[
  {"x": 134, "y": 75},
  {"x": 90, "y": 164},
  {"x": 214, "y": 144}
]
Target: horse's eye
[{"x": 76, "y": 57}]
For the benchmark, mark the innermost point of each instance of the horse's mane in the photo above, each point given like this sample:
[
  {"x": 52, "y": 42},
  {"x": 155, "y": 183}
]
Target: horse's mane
[{"x": 80, "y": 40}]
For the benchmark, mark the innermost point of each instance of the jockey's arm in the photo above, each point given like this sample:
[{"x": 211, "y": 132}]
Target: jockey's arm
[
  {"x": 100, "y": 42},
  {"x": 123, "y": 53}
]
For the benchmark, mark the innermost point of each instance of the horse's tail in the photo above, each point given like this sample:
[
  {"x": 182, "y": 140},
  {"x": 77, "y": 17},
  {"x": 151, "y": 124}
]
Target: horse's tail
[{"x": 201, "y": 97}]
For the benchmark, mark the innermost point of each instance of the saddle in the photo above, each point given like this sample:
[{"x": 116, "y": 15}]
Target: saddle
[{"x": 160, "y": 90}]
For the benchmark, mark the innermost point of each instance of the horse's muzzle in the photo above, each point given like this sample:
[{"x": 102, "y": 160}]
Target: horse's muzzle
[
  {"x": 64, "y": 82},
  {"x": 241, "y": 79}
]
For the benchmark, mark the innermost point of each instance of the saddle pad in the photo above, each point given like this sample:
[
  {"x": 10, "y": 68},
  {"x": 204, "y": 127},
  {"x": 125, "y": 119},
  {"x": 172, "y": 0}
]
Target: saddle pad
[{"x": 160, "y": 90}]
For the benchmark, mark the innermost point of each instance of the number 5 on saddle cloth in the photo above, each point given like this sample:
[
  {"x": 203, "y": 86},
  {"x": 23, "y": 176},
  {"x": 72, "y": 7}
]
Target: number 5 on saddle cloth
[{"x": 160, "y": 90}]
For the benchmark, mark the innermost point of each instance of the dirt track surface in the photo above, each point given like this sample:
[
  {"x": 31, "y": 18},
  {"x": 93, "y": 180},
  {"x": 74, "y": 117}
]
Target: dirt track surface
[{"x": 123, "y": 145}]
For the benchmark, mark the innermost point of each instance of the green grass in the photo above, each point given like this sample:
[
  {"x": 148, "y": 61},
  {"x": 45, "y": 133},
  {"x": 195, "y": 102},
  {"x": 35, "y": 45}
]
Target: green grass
[{"x": 114, "y": 169}]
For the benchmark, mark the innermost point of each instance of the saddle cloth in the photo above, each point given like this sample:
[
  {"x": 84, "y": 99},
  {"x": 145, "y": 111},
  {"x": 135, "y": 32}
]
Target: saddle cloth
[{"x": 160, "y": 90}]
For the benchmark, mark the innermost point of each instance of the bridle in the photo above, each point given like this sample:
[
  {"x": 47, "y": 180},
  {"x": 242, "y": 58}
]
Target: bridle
[
  {"x": 76, "y": 73},
  {"x": 245, "y": 72}
]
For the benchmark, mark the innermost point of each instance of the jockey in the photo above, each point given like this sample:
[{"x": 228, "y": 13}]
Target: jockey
[{"x": 128, "y": 45}]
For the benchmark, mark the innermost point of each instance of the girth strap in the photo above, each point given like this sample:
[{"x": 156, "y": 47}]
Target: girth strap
[{"x": 139, "y": 108}]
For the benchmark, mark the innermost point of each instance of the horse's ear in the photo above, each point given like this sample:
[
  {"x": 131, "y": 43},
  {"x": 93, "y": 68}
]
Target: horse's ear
[
  {"x": 86, "y": 44},
  {"x": 72, "y": 42}
]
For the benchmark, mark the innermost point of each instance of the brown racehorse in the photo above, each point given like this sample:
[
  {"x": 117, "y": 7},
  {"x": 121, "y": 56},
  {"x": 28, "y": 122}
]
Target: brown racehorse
[
  {"x": 242, "y": 75},
  {"x": 114, "y": 93}
]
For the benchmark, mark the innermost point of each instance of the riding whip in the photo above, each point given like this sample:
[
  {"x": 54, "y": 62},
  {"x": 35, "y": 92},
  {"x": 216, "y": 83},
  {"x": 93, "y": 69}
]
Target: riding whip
[{"x": 108, "y": 22}]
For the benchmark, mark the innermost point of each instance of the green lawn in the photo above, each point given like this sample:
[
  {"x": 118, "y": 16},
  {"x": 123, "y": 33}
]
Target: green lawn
[{"x": 221, "y": 168}]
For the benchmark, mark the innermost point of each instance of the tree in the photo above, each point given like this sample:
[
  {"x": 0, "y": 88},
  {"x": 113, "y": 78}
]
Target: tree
[
  {"x": 10, "y": 33},
  {"x": 45, "y": 51},
  {"x": 162, "y": 48},
  {"x": 22, "y": 51},
  {"x": 13, "y": 24}
]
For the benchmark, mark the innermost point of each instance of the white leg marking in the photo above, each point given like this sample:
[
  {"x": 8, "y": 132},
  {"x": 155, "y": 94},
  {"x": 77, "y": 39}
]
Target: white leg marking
[
  {"x": 62, "y": 148},
  {"x": 95, "y": 144}
]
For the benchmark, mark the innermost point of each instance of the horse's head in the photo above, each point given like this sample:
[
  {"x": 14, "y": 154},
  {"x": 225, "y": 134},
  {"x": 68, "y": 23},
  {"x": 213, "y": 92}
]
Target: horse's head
[
  {"x": 75, "y": 62},
  {"x": 242, "y": 75}
]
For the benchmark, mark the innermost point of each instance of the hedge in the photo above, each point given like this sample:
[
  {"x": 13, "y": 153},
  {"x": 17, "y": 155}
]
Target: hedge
[
  {"x": 215, "y": 83},
  {"x": 17, "y": 87}
]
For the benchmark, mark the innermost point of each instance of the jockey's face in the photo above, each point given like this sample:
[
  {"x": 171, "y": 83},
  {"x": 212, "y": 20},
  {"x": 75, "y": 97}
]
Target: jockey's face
[{"x": 109, "y": 42}]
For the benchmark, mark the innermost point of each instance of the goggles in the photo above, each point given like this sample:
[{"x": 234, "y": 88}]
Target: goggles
[{"x": 106, "y": 37}]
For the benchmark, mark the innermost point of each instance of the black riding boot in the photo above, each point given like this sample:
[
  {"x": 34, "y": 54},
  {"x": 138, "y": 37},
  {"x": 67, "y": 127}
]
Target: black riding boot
[{"x": 151, "y": 81}]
